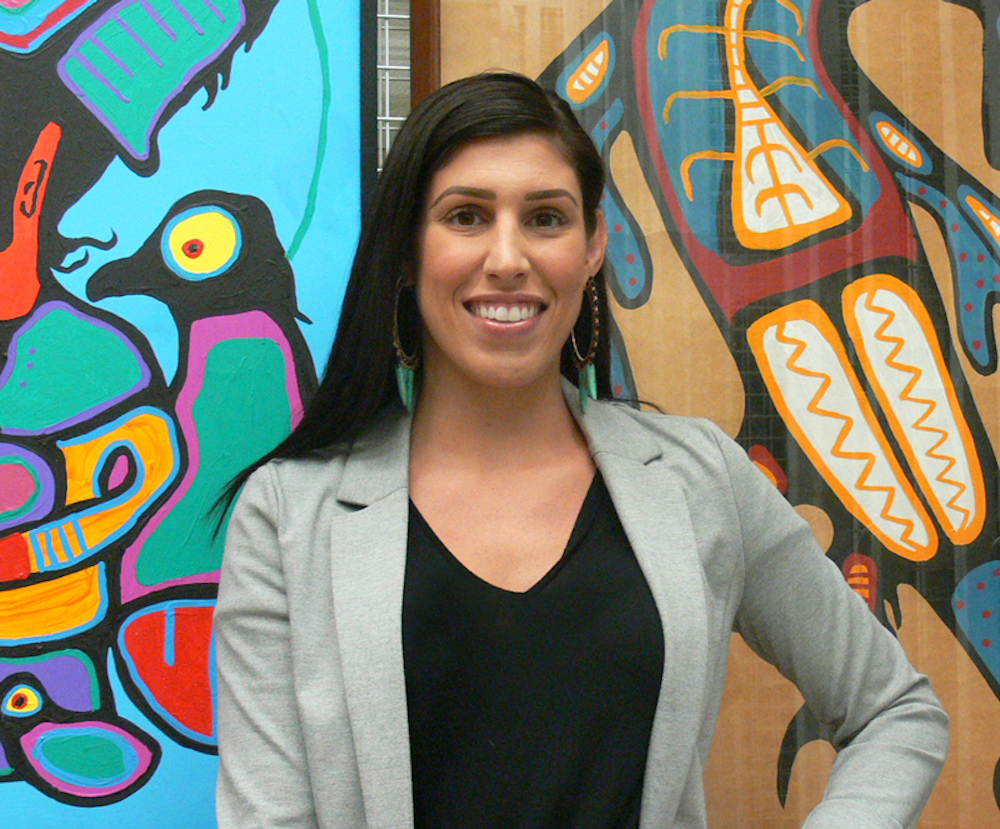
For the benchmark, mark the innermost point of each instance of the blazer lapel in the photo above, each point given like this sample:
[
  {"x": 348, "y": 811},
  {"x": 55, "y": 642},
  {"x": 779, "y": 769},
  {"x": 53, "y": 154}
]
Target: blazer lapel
[
  {"x": 653, "y": 510},
  {"x": 369, "y": 564}
]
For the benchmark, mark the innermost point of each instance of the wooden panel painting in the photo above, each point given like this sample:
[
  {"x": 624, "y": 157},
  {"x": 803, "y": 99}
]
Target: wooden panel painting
[
  {"x": 182, "y": 187},
  {"x": 805, "y": 247}
]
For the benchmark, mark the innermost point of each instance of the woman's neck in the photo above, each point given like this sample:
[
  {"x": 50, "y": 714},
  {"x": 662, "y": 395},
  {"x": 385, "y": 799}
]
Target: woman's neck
[{"x": 458, "y": 424}]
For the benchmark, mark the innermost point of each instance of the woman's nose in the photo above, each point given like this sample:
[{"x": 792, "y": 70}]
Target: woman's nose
[{"x": 507, "y": 257}]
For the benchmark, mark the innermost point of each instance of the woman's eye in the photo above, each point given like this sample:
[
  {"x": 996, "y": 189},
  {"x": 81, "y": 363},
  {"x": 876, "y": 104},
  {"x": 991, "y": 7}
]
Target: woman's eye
[
  {"x": 464, "y": 217},
  {"x": 548, "y": 218}
]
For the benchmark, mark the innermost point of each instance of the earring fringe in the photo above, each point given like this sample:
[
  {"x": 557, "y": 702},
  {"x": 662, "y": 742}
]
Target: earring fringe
[
  {"x": 587, "y": 378},
  {"x": 406, "y": 364},
  {"x": 588, "y": 385},
  {"x": 405, "y": 377}
]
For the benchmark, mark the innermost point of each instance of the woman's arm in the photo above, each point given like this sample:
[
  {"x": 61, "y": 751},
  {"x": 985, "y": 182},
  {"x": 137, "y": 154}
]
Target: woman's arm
[
  {"x": 797, "y": 611},
  {"x": 263, "y": 777}
]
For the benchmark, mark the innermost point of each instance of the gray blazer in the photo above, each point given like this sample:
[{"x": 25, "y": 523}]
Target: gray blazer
[{"x": 311, "y": 691}]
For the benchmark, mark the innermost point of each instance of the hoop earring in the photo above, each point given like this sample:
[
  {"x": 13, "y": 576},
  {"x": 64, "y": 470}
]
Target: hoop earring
[
  {"x": 406, "y": 364},
  {"x": 585, "y": 363}
]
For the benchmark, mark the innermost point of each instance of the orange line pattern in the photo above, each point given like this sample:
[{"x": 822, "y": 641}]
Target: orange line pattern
[
  {"x": 892, "y": 330},
  {"x": 930, "y": 405},
  {"x": 837, "y": 451},
  {"x": 796, "y": 346}
]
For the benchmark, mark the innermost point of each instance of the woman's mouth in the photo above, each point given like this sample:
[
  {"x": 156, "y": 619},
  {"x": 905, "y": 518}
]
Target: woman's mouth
[{"x": 506, "y": 311}]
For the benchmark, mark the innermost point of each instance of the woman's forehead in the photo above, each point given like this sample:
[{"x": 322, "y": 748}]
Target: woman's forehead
[{"x": 509, "y": 160}]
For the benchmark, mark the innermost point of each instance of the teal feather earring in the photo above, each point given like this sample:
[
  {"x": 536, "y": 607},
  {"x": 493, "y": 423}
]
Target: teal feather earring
[
  {"x": 406, "y": 364},
  {"x": 587, "y": 379}
]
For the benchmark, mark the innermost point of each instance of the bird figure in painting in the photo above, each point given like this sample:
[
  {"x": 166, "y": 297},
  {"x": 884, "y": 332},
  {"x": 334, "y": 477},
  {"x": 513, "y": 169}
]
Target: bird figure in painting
[
  {"x": 244, "y": 373},
  {"x": 796, "y": 195}
]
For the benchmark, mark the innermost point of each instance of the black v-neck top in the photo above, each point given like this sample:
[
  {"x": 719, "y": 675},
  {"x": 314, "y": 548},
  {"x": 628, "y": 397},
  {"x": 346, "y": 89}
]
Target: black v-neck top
[{"x": 531, "y": 709}]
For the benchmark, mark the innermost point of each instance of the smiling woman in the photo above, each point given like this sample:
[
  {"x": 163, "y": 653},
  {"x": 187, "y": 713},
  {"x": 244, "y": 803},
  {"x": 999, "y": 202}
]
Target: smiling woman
[
  {"x": 504, "y": 259},
  {"x": 490, "y": 603}
]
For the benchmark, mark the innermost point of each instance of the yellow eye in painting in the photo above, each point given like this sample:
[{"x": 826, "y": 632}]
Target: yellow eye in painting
[
  {"x": 22, "y": 701},
  {"x": 201, "y": 242}
]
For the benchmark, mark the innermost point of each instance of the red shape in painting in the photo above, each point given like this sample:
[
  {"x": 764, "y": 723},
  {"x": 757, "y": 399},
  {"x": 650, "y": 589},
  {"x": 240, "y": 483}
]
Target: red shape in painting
[
  {"x": 19, "y": 285},
  {"x": 173, "y": 660},
  {"x": 53, "y": 20},
  {"x": 15, "y": 558},
  {"x": 861, "y": 573},
  {"x": 760, "y": 456}
]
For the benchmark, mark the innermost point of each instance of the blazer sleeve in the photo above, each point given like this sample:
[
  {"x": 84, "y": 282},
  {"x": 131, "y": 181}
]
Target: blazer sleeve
[
  {"x": 797, "y": 611},
  {"x": 263, "y": 776}
]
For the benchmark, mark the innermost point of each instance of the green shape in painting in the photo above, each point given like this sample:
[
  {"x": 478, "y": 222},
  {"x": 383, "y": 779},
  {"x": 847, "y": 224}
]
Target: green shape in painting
[
  {"x": 137, "y": 57},
  {"x": 66, "y": 367},
  {"x": 241, "y": 413},
  {"x": 83, "y": 755}
]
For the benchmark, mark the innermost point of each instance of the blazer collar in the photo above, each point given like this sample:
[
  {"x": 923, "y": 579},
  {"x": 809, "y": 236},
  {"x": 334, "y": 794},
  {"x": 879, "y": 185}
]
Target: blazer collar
[
  {"x": 378, "y": 462},
  {"x": 610, "y": 428}
]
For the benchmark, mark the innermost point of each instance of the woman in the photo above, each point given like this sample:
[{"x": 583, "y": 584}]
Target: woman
[{"x": 512, "y": 607}]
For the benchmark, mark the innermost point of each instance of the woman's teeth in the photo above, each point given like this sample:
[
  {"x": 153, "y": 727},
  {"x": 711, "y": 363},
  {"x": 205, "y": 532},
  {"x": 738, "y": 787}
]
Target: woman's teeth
[{"x": 506, "y": 313}]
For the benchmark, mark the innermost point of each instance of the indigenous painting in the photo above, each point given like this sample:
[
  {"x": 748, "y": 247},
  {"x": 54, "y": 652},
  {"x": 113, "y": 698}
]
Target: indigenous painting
[
  {"x": 179, "y": 201},
  {"x": 805, "y": 247}
]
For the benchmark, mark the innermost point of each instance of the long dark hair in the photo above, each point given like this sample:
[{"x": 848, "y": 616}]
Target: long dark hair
[{"x": 359, "y": 380}]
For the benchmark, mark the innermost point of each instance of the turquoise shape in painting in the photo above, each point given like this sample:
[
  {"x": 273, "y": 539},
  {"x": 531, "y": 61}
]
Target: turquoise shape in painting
[
  {"x": 977, "y": 612},
  {"x": 64, "y": 367},
  {"x": 89, "y": 759},
  {"x": 241, "y": 412},
  {"x": 136, "y": 58}
]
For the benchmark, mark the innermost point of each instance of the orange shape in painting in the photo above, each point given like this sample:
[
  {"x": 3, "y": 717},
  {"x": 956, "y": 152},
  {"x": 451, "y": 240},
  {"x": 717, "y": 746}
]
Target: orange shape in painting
[
  {"x": 989, "y": 219},
  {"x": 898, "y": 145},
  {"x": 589, "y": 74},
  {"x": 780, "y": 195},
  {"x": 149, "y": 437},
  {"x": 39, "y": 611},
  {"x": 897, "y": 346}
]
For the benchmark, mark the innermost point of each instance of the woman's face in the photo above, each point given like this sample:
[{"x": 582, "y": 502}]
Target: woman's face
[{"x": 504, "y": 259}]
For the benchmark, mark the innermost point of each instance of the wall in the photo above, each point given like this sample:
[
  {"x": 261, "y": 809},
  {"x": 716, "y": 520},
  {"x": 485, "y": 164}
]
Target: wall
[
  {"x": 805, "y": 248},
  {"x": 182, "y": 182}
]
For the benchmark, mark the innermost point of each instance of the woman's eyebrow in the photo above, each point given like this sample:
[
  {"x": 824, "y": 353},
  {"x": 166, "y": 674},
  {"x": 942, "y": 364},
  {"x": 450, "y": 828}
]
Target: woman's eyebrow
[
  {"x": 474, "y": 192},
  {"x": 539, "y": 195}
]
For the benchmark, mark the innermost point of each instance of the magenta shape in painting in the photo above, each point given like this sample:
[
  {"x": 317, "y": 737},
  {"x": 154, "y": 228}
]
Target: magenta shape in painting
[{"x": 17, "y": 486}]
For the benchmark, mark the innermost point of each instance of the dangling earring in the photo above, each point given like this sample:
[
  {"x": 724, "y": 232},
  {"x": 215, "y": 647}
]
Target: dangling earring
[
  {"x": 406, "y": 365},
  {"x": 585, "y": 364}
]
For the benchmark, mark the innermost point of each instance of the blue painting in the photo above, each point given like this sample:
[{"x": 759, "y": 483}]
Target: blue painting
[{"x": 179, "y": 209}]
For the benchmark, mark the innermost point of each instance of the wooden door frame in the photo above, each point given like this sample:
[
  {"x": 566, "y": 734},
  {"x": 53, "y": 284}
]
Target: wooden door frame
[{"x": 425, "y": 48}]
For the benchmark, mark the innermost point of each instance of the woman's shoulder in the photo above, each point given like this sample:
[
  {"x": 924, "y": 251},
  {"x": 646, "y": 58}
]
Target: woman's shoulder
[
  {"x": 327, "y": 476},
  {"x": 285, "y": 487},
  {"x": 694, "y": 450},
  {"x": 318, "y": 468},
  {"x": 671, "y": 432}
]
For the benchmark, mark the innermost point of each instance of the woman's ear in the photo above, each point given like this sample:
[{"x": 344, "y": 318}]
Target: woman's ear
[{"x": 597, "y": 244}]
